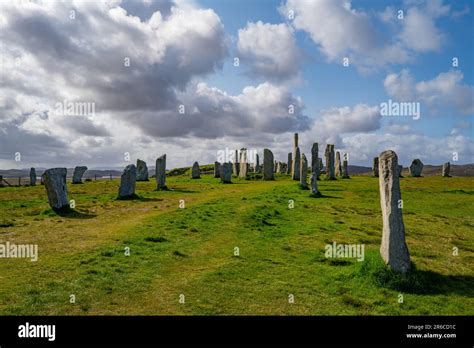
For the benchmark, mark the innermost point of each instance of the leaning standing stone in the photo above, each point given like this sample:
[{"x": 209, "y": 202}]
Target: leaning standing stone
[
  {"x": 446, "y": 169},
  {"x": 393, "y": 249},
  {"x": 304, "y": 172},
  {"x": 375, "y": 167},
  {"x": 127, "y": 182},
  {"x": 268, "y": 165},
  {"x": 226, "y": 172},
  {"x": 217, "y": 170},
  {"x": 55, "y": 184},
  {"x": 142, "y": 170},
  {"x": 160, "y": 172},
  {"x": 78, "y": 173},
  {"x": 32, "y": 177},
  {"x": 196, "y": 171},
  {"x": 416, "y": 168},
  {"x": 338, "y": 164},
  {"x": 330, "y": 175}
]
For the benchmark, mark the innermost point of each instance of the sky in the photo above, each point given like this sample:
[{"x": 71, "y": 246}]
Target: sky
[{"x": 103, "y": 83}]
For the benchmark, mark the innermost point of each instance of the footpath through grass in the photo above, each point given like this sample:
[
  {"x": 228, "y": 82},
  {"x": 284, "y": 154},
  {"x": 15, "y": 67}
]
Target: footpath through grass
[{"x": 190, "y": 255}]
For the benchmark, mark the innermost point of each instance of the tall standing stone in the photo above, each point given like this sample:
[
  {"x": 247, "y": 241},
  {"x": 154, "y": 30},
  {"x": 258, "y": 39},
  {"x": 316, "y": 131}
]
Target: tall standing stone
[
  {"x": 142, "y": 170},
  {"x": 127, "y": 182},
  {"x": 338, "y": 164},
  {"x": 289, "y": 163},
  {"x": 217, "y": 170},
  {"x": 345, "y": 169},
  {"x": 330, "y": 175},
  {"x": 225, "y": 172},
  {"x": 160, "y": 172},
  {"x": 295, "y": 168},
  {"x": 243, "y": 163},
  {"x": 236, "y": 164},
  {"x": 304, "y": 172},
  {"x": 32, "y": 176},
  {"x": 393, "y": 249},
  {"x": 375, "y": 167},
  {"x": 416, "y": 168},
  {"x": 268, "y": 165},
  {"x": 56, "y": 188},
  {"x": 257, "y": 163},
  {"x": 196, "y": 171},
  {"x": 315, "y": 159},
  {"x": 446, "y": 169},
  {"x": 78, "y": 173}
]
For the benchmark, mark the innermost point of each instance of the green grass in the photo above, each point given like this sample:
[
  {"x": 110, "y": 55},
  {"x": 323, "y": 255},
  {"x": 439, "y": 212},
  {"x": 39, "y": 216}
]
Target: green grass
[{"x": 190, "y": 251}]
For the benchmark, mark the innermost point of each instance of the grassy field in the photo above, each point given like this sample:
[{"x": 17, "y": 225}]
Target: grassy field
[{"x": 190, "y": 251}]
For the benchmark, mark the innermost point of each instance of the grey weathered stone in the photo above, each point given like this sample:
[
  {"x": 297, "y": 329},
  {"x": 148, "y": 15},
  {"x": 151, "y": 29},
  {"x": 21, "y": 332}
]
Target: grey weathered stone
[
  {"x": 56, "y": 188},
  {"x": 78, "y": 173},
  {"x": 226, "y": 172},
  {"x": 268, "y": 165},
  {"x": 315, "y": 159},
  {"x": 375, "y": 167},
  {"x": 289, "y": 163},
  {"x": 128, "y": 181},
  {"x": 416, "y": 168},
  {"x": 345, "y": 169},
  {"x": 196, "y": 171},
  {"x": 295, "y": 171},
  {"x": 330, "y": 174},
  {"x": 338, "y": 167},
  {"x": 32, "y": 176},
  {"x": 217, "y": 170},
  {"x": 393, "y": 248},
  {"x": 257, "y": 163},
  {"x": 142, "y": 170},
  {"x": 160, "y": 172},
  {"x": 446, "y": 169},
  {"x": 243, "y": 163},
  {"x": 304, "y": 172},
  {"x": 236, "y": 164}
]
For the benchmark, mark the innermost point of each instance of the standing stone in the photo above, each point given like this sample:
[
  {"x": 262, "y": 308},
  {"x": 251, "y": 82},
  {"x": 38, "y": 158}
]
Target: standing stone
[
  {"x": 304, "y": 172},
  {"x": 268, "y": 165},
  {"x": 393, "y": 249},
  {"x": 217, "y": 170},
  {"x": 375, "y": 167},
  {"x": 400, "y": 169},
  {"x": 243, "y": 163},
  {"x": 225, "y": 172},
  {"x": 257, "y": 163},
  {"x": 78, "y": 173},
  {"x": 127, "y": 182},
  {"x": 56, "y": 189},
  {"x": 160, "y": 172},
  {"x": 330, "y": 175},
  {"x": 289, "y": 163},
  {"x": 338, "y": 164},
  {"x": 295, "y": 168},
  {"x": 236, "y": 164},
  {"x": 196, "y": 171},
  {"x": 142, "y": 171},
  {"x": 32, "y": 176},
  {"x": 446, "y": 169},
  {"x": 345, "y": 169},
  {"x": 416, "y": 168},
  {"x": 315, "y": 159},
  {"x": 320, "y": 166}
]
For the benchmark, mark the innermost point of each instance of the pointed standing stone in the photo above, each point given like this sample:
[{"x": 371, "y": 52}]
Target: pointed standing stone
[
  {"x": 236, "y": 164},
  {"x": 160, "y": 172},
  {"x": 375, "y": 167},
  {"x": 142, "y": 170},
  {"x": 257, "y": 163},
  {"x": 446, "y": 169},
  {"x": 345, "y": 169},
  {"x": 127, "y": 182},
  {"x": 226, "y": 173},
  {"x": 338, "y": 164},
  {"x": 289, "y": 163},
  {"x": 295, "y": 171},
  {"x": 78, "y": 173},
  {"x": 330, "y": 174},
  {"x": 196, "y": 171},
  {"x": 32, "y": 176},
  {"x": 56, "y": 189},
  {"x": 217, "y": 170},
  {"x": 416, "y": 168},
  {"x": 393, "y": 249},
  {"x": 304, "y": 172},
  {"x": 268, "y": 165},
  {"x": 243, "y": 163}
]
